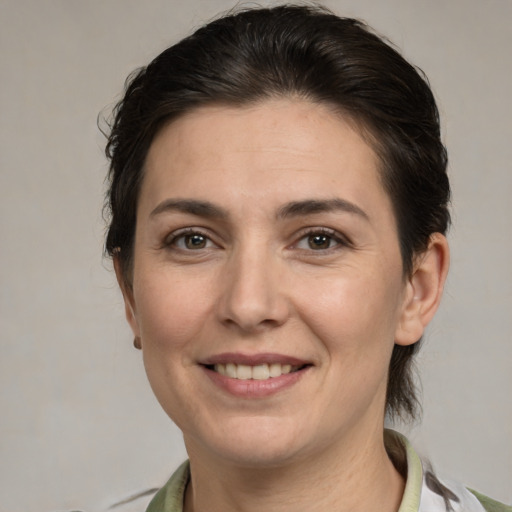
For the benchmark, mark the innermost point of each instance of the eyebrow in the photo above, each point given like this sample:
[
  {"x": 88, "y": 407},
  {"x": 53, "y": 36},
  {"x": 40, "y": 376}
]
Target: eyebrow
[
  {"x": 293, "y": 209},
  {"x": 191, "y": 206},
  {"x": 312, "y": 206}
]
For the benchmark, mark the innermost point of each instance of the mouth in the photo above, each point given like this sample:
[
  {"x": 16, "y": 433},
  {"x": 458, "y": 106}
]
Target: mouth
[
  {"x": 263, "y": 371},
  {"x": 257, "y": 375}
]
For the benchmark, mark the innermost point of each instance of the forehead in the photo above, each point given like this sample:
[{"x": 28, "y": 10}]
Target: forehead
[
  {"x": 274, "y": 150},
  {"x": 254, "y": 160},
  {"x": 310, "y": 126}
]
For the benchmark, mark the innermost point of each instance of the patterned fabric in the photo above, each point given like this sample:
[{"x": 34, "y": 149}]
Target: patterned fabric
[{"x": 424, "y": 492}]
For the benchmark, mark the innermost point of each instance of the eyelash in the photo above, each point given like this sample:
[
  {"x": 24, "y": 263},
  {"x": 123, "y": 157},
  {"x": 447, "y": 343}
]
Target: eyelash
[
  {"x": 333, "y": 236},
  {"x": 172, "y": 240},
  {"x": 340, "y": 241}
]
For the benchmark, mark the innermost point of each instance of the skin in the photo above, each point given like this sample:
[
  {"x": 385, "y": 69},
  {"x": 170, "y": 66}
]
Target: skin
[{"x": 262, "y": 277}]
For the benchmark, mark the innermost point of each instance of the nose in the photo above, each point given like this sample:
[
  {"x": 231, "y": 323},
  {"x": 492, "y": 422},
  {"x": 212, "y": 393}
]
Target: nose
[{"x": 253, "y": 298}]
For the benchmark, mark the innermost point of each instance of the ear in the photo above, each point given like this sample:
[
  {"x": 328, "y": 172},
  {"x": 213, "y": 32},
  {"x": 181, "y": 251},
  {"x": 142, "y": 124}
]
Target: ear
[
  {"x": 423, "y": 290},
  {"x": 129, "y": 302}
]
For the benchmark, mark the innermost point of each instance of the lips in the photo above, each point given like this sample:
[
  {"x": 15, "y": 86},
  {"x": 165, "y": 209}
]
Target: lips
[{"x": 258, "y": 375}]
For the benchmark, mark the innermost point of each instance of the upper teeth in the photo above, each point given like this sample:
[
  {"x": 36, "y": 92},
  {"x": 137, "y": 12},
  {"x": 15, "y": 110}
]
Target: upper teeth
[{"x": 258, "y": 372}]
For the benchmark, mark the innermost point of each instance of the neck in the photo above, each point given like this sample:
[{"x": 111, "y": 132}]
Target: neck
[{"x": 354, "y": 476}]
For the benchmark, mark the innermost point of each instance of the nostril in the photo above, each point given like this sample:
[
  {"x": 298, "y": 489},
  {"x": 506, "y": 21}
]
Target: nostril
[{"x": 254, "y": 326}]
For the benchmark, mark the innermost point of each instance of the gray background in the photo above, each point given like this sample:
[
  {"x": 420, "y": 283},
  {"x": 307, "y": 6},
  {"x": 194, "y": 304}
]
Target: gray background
[{"x": 79, "y": 425}]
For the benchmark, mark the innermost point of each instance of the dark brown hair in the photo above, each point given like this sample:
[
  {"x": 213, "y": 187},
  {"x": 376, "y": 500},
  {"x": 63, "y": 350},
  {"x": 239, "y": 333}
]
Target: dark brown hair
[{"x": 305, "y": 52}]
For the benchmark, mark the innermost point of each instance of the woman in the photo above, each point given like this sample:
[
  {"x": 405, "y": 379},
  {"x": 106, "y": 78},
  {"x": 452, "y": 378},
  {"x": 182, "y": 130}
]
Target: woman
[{"x": 279, "y": 200}]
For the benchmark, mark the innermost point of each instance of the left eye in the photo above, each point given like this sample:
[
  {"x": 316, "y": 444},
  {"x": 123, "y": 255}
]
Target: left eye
[
  {"x": 318, "y": 241},
  {"x": 192, "y": 241}
]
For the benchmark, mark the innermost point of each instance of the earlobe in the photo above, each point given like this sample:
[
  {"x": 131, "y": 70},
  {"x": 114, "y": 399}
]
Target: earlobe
[
  {"x": 424, "y": 290},
  {"x": 129, "y": 302}
]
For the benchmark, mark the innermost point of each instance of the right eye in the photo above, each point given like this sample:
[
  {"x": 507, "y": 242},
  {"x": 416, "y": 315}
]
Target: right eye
[{"x": 190, "y": 240}]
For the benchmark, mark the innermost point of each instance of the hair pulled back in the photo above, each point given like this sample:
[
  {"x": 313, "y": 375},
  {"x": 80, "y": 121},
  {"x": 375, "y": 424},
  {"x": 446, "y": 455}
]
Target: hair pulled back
[{"x": 305, "y": 52}]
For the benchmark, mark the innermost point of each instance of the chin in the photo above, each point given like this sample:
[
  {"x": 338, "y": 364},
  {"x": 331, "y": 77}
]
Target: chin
[
  {"x": 254, "y": 455},
  {"x": 253, "y": 442}
]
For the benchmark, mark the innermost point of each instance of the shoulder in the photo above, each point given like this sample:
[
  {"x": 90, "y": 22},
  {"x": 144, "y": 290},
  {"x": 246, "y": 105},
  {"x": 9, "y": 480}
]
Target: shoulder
[
  {"x": 454, "y": 497},
  {"x": 170, "y": 497},
  {"x": 489, "y": 504},
  {"x": 425, "y": 491}
]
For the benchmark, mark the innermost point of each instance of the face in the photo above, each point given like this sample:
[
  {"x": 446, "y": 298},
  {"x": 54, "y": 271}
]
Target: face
[{"x": 267, "y": 281}]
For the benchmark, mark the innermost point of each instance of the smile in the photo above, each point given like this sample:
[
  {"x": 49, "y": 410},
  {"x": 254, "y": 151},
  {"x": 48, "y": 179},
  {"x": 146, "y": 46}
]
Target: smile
[
  {"x": 256, "y": 375},
  {"x": 257, "y": 372}
]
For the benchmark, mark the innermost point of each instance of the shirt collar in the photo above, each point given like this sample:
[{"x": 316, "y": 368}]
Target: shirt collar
[{"x": 414, "y": 481}]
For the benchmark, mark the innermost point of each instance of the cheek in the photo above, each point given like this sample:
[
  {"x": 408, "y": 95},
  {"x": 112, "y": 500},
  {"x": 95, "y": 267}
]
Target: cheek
[
  {"x": 355, "y": 321},
  {"x": 171, "y": 310},
  {"x": 353, "y": 313},
  {"x": 172, "y": 314}
]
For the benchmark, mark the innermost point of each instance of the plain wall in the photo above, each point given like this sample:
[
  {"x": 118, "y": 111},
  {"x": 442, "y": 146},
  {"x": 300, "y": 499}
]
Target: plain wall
[{"x": 79, "y": 427}]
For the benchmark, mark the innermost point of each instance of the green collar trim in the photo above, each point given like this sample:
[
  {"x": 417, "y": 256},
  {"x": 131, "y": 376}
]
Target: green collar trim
[
  {"x": 170, "y": 497},
  {"x": 489, "y": 504},
  {"x": 412, "y": 492}
]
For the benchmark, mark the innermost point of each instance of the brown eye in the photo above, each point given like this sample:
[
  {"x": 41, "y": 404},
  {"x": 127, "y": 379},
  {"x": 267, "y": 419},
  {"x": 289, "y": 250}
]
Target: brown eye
[
  {"x": 195, "y": 241},
  {"x": 190, "y": 241},
  {"x": 319, "y": 241}
]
